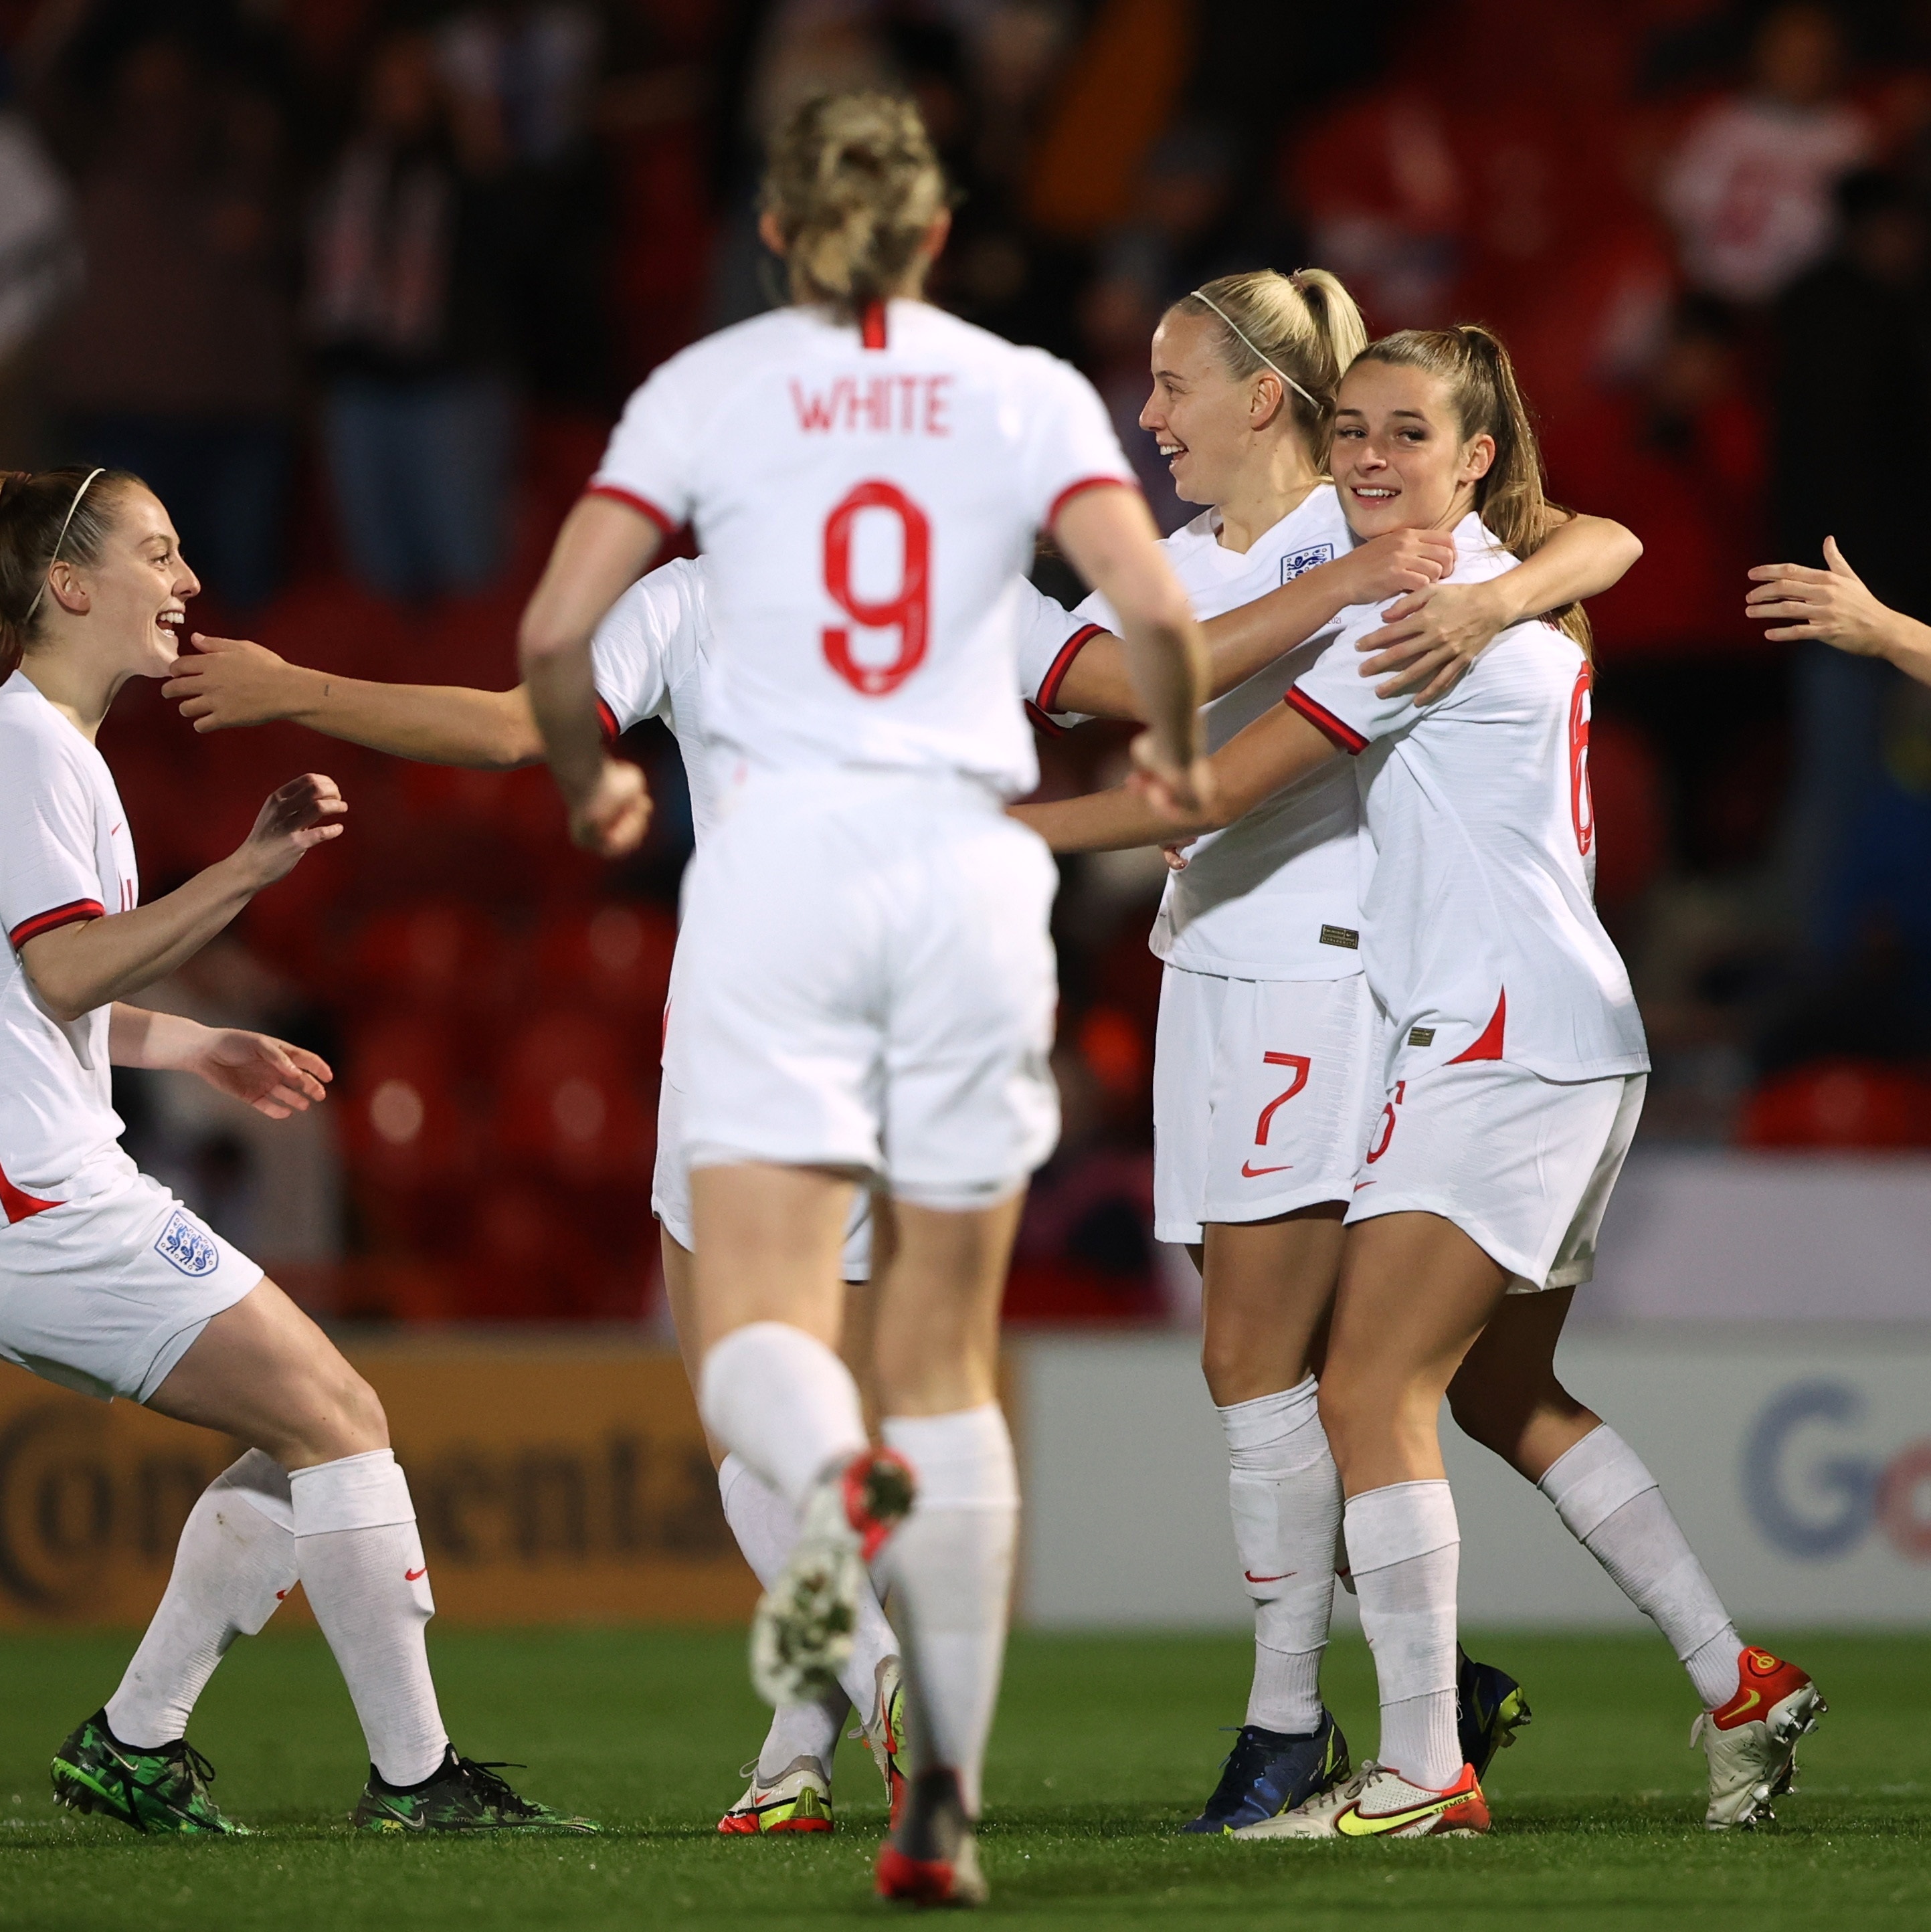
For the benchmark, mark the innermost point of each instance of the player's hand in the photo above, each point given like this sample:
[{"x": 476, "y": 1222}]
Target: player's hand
[
  {"x": 612, "y": 819},
  {"x": 273, "y": 1077},
  {"x": 1428, "y": 639},
  {"x": 227, "y": 683},
  {"x": 1180, "y": 792},
  {"x": 306, "y": 812},
  {"x": 1396, "y": 562},
  {"x": 1831, "y": 605}
]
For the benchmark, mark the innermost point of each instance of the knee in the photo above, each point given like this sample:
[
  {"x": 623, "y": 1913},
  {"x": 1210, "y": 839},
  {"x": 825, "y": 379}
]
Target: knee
[{"x": 343, "y": 1415}]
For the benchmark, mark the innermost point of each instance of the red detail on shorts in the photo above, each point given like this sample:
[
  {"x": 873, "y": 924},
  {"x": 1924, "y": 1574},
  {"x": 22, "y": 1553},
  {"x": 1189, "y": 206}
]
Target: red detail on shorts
[
  {"x": 630, "y": 499},
  {"x": 280, "y": 1594},
  {"x": 872, "y": 325},
  {"x": 1380, "y": 1147},
  {"x": 1489, "y": 1046},
  {"x": 1048, "y": 699},
  {"x": 415, "y": 1576},
  {"x": 19, "y": 1206},
  {"x": 54, "y": 916},
  {"x": 606, "y": 723},
  {"x": 1248, "y": 1171},
  {"x": 1079, "y": 489},
  {"x": 1762, "y": 1681},
  {"x": 1324, "y": 721}
]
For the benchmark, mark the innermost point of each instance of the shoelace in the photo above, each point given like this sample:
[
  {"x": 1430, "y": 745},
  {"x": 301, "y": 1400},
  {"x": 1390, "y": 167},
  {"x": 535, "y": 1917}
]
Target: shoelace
[
  {"x": 481, "y": 1779},
  {"x": 182, "y": 1758}
]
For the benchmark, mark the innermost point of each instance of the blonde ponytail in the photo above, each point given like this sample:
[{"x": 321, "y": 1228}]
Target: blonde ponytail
[
  {"x": 1513, "y": 498},
  {"x": 854, "y": 187},
  {"x": 1305, "y": 327}
]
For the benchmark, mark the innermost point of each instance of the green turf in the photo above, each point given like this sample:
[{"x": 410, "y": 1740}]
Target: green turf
[{"x": 1104, "y": 1744}]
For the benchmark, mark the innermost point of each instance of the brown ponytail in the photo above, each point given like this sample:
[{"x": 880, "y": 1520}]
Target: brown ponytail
[
  {"x": 1513, "y": 499},
  {"x": 33, "y": 508}
]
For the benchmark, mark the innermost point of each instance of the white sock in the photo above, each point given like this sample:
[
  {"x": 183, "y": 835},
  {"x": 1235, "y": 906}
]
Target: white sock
[
  {"x": 1286, "y": 1498},
  {"x": 766, "y": 1526},
  {"x": 783, "y": 1402},
  {"x": 951, "y": 1563},
  {"x": 1407, "y": 1548},
  {"x": 234, "y": 1564},
  {"x": 363, "y": 1572},
  {"x": 1611, "y": 1504}
]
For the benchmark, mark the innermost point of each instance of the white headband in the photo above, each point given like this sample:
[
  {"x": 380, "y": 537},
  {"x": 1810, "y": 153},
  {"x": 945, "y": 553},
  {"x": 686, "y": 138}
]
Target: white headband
[
  {"x": 1201, "y": 295},
  {"x": 69, "y": 518}
]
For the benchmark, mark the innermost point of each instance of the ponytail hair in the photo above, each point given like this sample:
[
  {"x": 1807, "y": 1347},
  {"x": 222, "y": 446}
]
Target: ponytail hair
[
  {"x": 854, "y": 186},
  {"x": 1305, "y": 327},
  {"x": 53, "y": 513},
  {"x": 1513, "y": 499}
]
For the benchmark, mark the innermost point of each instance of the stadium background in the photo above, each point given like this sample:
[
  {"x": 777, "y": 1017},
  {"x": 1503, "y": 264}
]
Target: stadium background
[{"x": 1702, "y": 228}]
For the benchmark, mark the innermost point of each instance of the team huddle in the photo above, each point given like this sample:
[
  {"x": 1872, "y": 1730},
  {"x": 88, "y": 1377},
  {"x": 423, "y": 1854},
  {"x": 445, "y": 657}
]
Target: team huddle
[{"x": 1398, "y": 1064}]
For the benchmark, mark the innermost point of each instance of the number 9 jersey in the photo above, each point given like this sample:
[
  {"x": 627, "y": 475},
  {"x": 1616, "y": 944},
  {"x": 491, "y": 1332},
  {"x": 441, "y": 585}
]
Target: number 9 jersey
[{"x": 866, "y": 500}]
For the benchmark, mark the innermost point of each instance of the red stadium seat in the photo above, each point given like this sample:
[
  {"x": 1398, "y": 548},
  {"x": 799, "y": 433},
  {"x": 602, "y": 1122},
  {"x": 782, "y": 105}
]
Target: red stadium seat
[
  {"x": 1839, "y": 1102},
  {"x": 572, "y": 1100},
  {"x": 616, "y": 954}
]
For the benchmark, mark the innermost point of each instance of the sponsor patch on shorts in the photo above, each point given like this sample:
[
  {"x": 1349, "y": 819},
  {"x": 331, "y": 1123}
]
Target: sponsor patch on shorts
[
  {"x": 1421, "y": 1035},
  {"x": 1342, "y": 935},
  {"x": 1298, "y": 563},
  {"x": 192, "y": 1249}
]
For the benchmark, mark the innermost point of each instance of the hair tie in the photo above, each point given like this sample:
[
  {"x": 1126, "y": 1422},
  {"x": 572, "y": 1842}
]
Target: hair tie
[
  {"x": 54, "y": 558},
  {"x": 1201, "y": 295}
]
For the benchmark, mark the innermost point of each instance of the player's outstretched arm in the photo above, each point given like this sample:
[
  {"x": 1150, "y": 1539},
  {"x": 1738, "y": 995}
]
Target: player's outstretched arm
[
  {"x": 1834, "y": 606},
  {"x": 1243, "y": 641},
  {"x": 75, "y": 968},
  {"x": 604, "y": 547},
  {"x": 1274, "y": 751},
  {"x": 1429, "y": 640},
  {"x": 273, "y": 1076},
  {"x": 226, "y": 683},
  {"x": 1109, "y": 536}
]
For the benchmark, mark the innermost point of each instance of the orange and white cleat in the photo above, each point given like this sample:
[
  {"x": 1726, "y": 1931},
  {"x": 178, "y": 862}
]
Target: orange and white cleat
[
  {"x": 931, "y": 1857},
  {"x": 1751, "y": 1741},
  {"x": 884, "y": 1732},
  {"x": 1379, "y": 1803},
  {"x": 798, "y": 1799}
]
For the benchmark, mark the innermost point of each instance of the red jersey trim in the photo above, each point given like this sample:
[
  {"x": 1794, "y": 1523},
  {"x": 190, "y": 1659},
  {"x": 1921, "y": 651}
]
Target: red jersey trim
[
  {"x": 872, "y": 325},
  {"x": 1324, "y": 721},
  {"x": 1489, "y": 1046},
  {"x": 1041, "y": 722},
  {"x": 18, "y": 1205},
  {"x": 631, "y": 500},
  {"x": 1079, "y": 489},
  {"x": 55, "y": 915},
  {"x": 606, "y": 722},
  {"x": 1048, "y": 699}
]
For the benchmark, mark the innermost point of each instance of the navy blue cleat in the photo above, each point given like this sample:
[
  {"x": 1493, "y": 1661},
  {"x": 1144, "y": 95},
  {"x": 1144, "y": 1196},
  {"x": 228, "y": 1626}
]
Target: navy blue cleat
[
  {"x": 1489, "y": 1709},
  {"x": 1266, "y": 1773}
]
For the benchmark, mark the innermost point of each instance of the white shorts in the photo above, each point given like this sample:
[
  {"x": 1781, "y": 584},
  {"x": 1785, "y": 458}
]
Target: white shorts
[
  {"x": 865, "y": 982},
  {"x": 107, "y": 1292},
  {"x": 670, "y": 1188},
  {"x": 1261, "y": 1093},
  {"x": 1524, "y": 1166}
]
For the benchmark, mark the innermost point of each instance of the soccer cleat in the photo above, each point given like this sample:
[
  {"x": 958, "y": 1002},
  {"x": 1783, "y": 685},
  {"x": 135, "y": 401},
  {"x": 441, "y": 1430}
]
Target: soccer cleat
[
  {"x": 884, "y": 1732},
  {"x": 801, "y": 1633},
  {"x": 1378, "y": 1803},
  {"x": 1751, "y": 1741},
  {"x": 798, "y": 1799},
  {"x": 462, "y": 1796},
  {"x": 1490, "y": 1708},
  {"x": 931, "y": 1857},
  {"x": 1268, "y": 1772},
  {"x": 163, "y": 1789}
]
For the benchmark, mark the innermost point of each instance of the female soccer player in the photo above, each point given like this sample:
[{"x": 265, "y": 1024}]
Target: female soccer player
[
  {"x": 107, "y": 1283},
  {"x": 1513, "y": 1075},
  {"x": 865, "y": 973},
  {"x": 1263, "y": 1057}
]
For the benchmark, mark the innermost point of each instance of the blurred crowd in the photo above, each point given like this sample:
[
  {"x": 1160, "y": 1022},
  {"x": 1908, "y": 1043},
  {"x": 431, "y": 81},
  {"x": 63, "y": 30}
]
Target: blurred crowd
[{"x": 359, "y": 286}]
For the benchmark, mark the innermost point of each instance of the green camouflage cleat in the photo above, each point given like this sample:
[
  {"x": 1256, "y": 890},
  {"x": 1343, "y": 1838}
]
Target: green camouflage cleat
[
  {"x": 463, "y": 1796},
  {"x": 164, "y": 1790}
]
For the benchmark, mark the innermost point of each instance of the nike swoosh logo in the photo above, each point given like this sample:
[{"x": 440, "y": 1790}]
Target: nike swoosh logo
[
  {"x": 410, "y": 1576},
  {"x": 1352, "y": 1824},
  {"x": 1753, "y": 1700},
  {"x": 1282, "y": 1579},
  {"x": 114, "y": 828},
  {"x": 1249, "y": 1172},
  {"x": 1360, "y": 1184}
]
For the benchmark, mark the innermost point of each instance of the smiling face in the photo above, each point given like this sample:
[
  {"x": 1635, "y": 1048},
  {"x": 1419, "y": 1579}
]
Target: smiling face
[
  {"x": 1203, "y": 419},
  {"x": 126, "y": 607},
  {"x": 1400, "y": 459}
]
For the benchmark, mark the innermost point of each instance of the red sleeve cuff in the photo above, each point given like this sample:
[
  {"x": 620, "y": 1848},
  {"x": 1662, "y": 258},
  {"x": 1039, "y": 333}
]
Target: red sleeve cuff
[
  {"x": 1042, "y": 723},
  {"x": 631, "y": 500},
  {"x": 74, "y": 911},
  {"x": 606, "y": 722},
  {"x": 1080, "y": 488},
  {"x": 1048, "y": 697},
  {"x": 1324, "y": 721}
]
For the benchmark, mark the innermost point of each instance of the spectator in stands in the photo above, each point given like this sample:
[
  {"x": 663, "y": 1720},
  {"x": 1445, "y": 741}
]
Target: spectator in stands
[
  {"x": 1748, "y": 191},
  {"x": 407, "y": 301},
  {"x": 178, "y": 360}
]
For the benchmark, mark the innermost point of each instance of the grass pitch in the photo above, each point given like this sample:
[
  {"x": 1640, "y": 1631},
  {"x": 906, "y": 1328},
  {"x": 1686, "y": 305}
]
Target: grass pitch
[{"x": 1104, "y": 1745}]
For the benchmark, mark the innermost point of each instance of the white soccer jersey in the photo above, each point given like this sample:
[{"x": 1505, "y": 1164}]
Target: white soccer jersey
[
  {"x": 1479, "y": 932},
  {"x": 65, "y": 854},
  {"x": 866, "y": 498},
  {"x": 1275, "y": 895}
]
